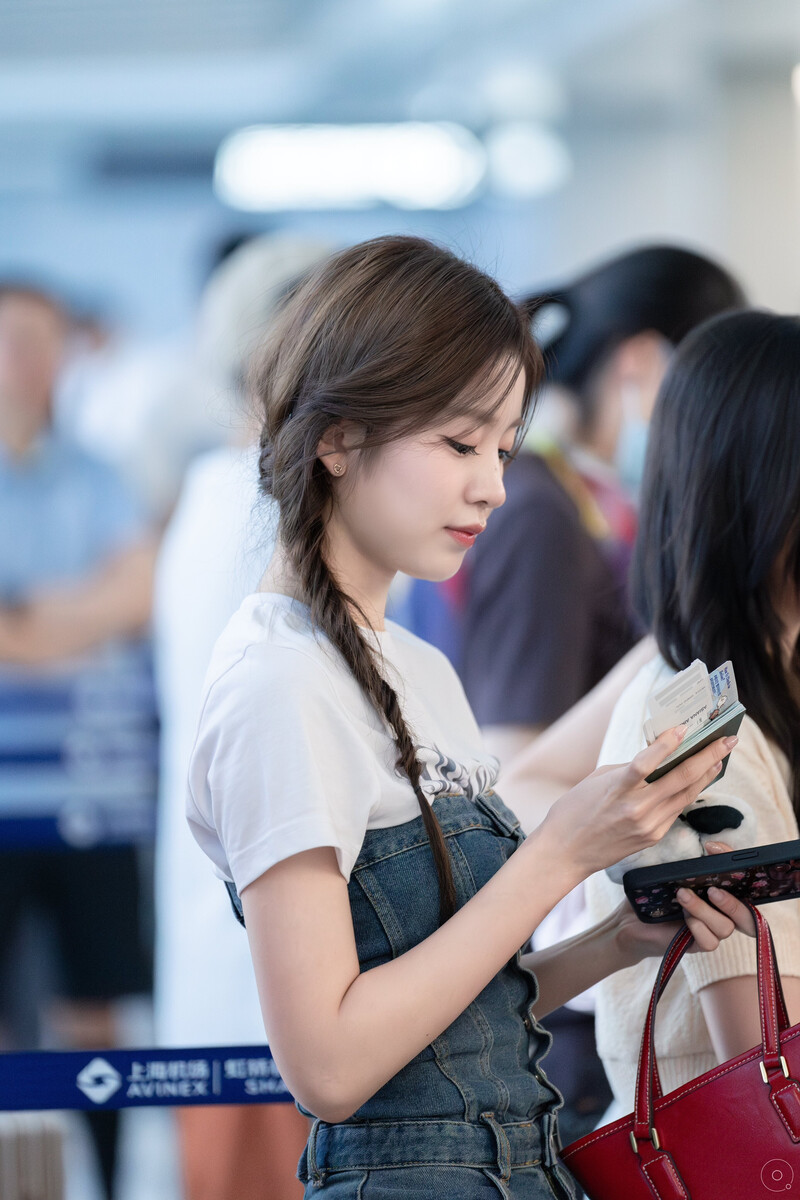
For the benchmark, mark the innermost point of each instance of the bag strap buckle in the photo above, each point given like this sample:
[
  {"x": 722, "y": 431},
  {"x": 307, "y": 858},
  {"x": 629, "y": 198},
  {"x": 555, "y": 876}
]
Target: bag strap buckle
[
  {"x": 784, "y": 1068},
  {"x": 654, "y": 1138}
]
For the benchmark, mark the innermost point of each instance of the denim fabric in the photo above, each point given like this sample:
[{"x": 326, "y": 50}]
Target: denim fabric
[{"x": 474, "y": 1114}]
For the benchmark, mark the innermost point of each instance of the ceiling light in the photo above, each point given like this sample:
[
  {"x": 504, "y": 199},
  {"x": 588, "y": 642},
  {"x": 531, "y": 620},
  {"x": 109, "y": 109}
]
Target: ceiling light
[{"x": 412, "y": 165}]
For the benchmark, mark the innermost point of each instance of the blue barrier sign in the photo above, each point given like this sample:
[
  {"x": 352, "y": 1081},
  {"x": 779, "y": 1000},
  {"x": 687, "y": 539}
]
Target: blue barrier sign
[
  {"x": 79, "y": 751},
  {"x": 140, "y": 1078}
]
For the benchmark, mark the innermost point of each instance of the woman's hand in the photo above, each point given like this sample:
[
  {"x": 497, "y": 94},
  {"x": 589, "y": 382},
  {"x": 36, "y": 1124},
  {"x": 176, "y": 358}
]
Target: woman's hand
[
  {"x": 709, "y": 924},
  {"x": 613, "y": 812}
]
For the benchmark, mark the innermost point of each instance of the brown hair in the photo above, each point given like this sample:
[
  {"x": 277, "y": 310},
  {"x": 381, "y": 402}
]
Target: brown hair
[{"x": 396, "y": 335}]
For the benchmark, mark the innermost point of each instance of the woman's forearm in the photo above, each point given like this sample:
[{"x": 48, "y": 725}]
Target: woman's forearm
[
  {"x": 59, "y": 622},
  {"x": 731, "y": 1011},
  {"x": 565, "y": 970}
]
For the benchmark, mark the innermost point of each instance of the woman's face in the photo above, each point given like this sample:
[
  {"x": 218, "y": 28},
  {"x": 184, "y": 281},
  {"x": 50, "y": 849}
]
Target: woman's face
[
  {"x": 418, "y": 504},
  {"x": 626, "y": 390}
]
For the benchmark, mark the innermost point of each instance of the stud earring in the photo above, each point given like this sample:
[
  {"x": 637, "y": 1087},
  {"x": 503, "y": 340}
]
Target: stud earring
[{"x": 338, "y": 469}]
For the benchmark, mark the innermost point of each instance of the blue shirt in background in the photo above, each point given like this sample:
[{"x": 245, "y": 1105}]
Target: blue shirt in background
[
  {"x": 78, "y": 738},
  {"x": 62, "y": 512}
]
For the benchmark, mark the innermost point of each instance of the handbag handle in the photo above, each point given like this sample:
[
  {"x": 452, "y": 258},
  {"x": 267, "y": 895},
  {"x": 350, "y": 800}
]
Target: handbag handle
[
  {"x": 772, "y": 1010},
  {"x": 672, "y": 957}
]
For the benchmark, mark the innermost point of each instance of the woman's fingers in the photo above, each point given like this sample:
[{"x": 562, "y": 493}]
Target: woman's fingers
[
  {"x": 688, "y": 795},
  {"x": 689, "y": 774},
  {"x": 712, "y": 923},
  {"x": 721, "y": 900},
  {"x": 739, "y": 913},
  {"x": 653, "y": 755}
]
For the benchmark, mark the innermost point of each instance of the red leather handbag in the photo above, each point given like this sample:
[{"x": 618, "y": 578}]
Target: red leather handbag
[{"x": 731, "y": 1134}]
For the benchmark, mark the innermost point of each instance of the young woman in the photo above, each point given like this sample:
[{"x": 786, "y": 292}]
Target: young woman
[
  {"x": 717, "y": 576},
  {"x": 338, "y": 777}
]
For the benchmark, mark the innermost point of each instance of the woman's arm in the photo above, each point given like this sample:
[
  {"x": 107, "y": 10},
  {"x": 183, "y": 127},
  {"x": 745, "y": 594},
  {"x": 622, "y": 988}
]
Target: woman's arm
[
  {"x": 338, "y": 1034},
  {"x": 730, "y": 1008},
  {"x": 567, "y": 751},
  {"x": 622, "y": 940},
  {"x": 113, "y": 601}
]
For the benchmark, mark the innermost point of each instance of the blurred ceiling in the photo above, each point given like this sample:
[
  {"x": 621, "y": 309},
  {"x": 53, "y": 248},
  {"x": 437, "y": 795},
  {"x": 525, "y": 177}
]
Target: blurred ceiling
[{"x": 118, "y": 87}]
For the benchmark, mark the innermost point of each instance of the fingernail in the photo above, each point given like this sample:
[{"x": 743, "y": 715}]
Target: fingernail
[
  {"x": 730, "y": 742},
  {"x": 681, "y": 729},
  {"x": 715, "y": 847},
  {"x": 683, "y": 895},
  {"x": 717, "y": 768}
]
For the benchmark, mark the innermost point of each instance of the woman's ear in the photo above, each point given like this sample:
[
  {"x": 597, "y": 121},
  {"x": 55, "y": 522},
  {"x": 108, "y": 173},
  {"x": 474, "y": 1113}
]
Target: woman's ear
[{"x": 337, "y": 446}]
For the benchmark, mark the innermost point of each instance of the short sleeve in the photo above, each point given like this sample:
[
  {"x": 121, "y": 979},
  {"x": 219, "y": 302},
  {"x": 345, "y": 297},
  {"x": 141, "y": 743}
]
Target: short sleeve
[
  {"x": 528, "y": 621},
  {"x": 279, "y": 766}
]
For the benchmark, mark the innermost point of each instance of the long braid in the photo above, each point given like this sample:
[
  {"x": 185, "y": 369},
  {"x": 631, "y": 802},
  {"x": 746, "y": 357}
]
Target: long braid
[{"x": 331, "y": 611}]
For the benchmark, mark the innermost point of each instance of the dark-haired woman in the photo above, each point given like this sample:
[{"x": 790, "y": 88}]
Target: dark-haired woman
[
  {"x": 338, "y": 777},
  {"x": 717, "y": 576},
  {"x": 546, "y": 611}
]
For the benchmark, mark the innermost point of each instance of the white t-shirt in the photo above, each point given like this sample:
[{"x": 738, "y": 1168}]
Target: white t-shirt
[{"x": 290, "y": 754}]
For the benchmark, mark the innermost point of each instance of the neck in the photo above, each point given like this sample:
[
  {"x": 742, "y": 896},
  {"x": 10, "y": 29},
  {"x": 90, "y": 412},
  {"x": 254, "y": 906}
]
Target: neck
[{"x": 281, "y": 577}]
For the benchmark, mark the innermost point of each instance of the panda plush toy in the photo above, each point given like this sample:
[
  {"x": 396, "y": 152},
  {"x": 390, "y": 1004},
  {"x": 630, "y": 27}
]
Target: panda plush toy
[{"x": 703, "y": 821}]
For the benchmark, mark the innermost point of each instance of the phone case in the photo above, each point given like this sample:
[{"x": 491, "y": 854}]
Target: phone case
[{"x": 760, "y": 874}]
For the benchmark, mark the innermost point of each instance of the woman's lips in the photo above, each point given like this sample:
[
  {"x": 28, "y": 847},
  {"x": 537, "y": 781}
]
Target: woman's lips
[{"x": 465, "y": 535}]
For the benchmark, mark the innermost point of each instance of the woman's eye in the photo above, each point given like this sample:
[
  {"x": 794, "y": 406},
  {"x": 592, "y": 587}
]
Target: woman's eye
[
  {"x": 505, "y": 456},
  {"x": 460, "y": 447}
]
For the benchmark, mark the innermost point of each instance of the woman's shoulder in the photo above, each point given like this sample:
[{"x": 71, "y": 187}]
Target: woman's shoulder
[{"x": 269, "y": 649}]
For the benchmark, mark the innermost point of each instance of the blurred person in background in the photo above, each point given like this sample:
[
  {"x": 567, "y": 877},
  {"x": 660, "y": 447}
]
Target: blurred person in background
[
  {"x": 76, "y": 731},
  {"x": 145, "y": 405},
  {"x": 120, "y": 396},
  {"x": 546, "y": 610},
  {"x": 214, "y": 552}
]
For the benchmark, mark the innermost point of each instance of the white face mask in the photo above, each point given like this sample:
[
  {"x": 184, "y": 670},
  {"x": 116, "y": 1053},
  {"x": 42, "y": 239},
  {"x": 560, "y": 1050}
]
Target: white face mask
[{"x": 631, "y": 449}]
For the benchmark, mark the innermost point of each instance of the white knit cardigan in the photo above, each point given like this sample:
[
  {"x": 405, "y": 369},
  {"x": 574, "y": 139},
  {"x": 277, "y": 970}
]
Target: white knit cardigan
[{"x": 758, "y": 772}]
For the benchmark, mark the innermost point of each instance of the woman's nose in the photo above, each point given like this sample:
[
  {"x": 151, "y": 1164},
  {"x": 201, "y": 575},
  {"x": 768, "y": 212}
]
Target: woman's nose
[{"x": 486, "y": 486}]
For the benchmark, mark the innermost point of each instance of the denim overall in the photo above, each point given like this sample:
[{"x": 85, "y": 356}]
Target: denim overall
[{"x": 473, "y": 1115}]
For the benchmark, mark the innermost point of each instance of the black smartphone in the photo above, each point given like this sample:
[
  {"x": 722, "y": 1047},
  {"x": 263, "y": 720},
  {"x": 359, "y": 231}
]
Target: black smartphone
[{"x": 760, "y": 874}]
